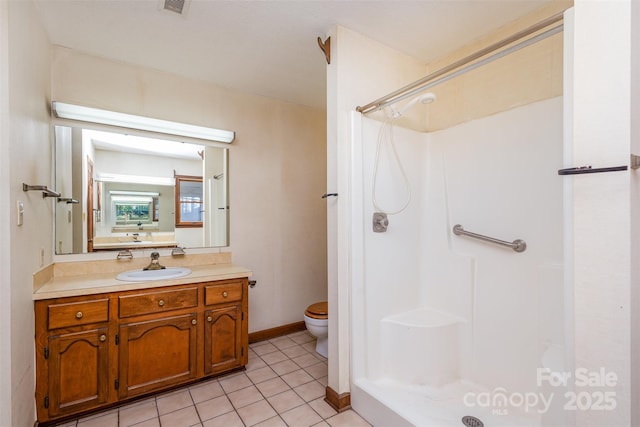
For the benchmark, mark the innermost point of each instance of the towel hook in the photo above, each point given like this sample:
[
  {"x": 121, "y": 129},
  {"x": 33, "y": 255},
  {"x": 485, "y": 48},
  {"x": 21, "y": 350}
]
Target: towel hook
[{"x": 326, "y": 48}]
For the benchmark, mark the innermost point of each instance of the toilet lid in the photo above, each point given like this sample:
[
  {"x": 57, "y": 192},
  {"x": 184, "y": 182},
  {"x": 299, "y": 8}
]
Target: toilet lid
[{"x": 318, "y": 309}]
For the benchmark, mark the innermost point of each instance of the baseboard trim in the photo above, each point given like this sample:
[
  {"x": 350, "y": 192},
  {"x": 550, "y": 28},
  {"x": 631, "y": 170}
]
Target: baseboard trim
[
  {"x": 339, "y": 402},
  {"x": 278, "y": 331}
]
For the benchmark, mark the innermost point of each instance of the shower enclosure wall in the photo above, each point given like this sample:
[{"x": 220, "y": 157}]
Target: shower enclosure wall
[{"x": 446, "y": 326}]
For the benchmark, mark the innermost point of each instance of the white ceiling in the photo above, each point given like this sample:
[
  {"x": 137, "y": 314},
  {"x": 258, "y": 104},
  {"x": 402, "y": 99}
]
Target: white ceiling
[{"x": 266, "y": 47}]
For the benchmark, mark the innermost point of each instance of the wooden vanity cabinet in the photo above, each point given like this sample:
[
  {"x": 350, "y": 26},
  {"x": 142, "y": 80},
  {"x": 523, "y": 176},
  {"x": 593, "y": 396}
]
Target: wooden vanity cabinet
[
  {"x": 72, "y": 339},
  {"x": 97, "y": 350}
]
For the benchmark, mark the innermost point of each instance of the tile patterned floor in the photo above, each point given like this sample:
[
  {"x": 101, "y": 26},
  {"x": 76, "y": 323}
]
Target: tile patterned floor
[{"x": 283, "y": 385}]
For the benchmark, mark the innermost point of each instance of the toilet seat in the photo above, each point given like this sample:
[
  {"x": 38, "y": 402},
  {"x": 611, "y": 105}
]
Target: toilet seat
[{"x": 318, "y": 310}]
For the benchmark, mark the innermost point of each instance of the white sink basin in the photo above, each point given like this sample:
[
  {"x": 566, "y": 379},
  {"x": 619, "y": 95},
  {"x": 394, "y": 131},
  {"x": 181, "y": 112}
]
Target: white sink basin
[{"x": 147, "y": 275}]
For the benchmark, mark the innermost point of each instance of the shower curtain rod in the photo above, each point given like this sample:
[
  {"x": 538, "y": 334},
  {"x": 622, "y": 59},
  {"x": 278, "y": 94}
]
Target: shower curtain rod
[{"x": 466, "y": 62}]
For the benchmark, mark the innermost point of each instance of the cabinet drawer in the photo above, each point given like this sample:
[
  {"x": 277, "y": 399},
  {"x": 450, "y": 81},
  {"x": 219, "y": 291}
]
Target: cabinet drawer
[
  {"x": 227, "y": 292},
  {"x": 157, "y": 301},
  {"x": 78, "y": 313}
]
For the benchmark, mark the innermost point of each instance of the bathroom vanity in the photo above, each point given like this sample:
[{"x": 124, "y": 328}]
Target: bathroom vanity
[{"x": 100, "y": 342}]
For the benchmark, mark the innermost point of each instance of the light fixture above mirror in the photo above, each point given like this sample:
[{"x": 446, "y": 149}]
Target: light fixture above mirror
[{"x": 95, "y": 115}]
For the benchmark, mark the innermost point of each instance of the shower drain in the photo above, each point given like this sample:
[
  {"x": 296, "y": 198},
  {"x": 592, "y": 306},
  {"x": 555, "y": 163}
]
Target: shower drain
[{"x": 470, "y": 421}]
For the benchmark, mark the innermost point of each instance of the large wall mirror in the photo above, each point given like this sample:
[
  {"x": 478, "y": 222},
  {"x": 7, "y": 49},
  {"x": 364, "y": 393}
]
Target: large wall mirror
[{"x": 121, "y": 191}]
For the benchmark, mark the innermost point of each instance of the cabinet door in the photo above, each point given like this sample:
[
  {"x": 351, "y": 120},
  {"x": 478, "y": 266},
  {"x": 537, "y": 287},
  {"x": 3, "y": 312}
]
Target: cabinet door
[
  {"x": 156, "y": 354},
  {"x": 78, "y": 371},
  {"x": 223, "y": 339}
]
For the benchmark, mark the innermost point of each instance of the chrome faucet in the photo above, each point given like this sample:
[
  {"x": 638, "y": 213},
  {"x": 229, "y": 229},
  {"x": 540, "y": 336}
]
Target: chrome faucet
[{"x": 155, "y": 262}]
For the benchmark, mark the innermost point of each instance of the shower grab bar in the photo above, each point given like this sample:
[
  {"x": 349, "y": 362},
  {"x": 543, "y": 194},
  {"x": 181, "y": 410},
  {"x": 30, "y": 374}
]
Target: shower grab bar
[{"x": 517, "y": 245}]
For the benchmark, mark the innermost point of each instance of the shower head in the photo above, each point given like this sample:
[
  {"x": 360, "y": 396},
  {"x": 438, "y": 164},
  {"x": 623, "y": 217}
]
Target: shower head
[{"x": 425, "y": 98}]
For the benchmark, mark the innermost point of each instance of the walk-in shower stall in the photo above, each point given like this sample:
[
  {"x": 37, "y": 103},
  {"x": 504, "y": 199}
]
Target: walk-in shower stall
[
  {"x": 494, "y": 280},
  {"x": 447, "y": 326},
  {"x": 457, "y": 294}
]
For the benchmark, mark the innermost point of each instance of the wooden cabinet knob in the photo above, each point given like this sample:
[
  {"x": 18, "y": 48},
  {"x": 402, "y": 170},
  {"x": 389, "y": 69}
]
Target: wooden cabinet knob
[
  {"x": 161, "y": 303},
  {"x": 103, "y": 338},
  {"x": 225, "y": 294},
  {"x": 209, "y": 319},
  {"x": 194, "y": 321},
  {"x": 79, "y": 315}
]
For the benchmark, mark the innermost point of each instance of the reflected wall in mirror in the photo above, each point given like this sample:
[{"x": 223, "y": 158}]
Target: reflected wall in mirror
[{"x": 127, "y": 196}]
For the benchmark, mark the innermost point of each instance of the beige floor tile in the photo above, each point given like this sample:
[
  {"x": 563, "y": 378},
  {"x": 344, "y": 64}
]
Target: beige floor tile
[
  {"x": 302, "y": 337},
  {"x": 324, "y": 381},
  {"x": 206, "y": 391},
  {"x": 101, "y": 420},
  {"x": 185, "y": 417},
  {"x": 174, "y": 401},
  {"x": 305, "y": 360},
  {"x": 235, "y": 382},
  {"x": 153, "y": 422},
  {"x": 214, "y": 407},
  {"x": 255, "y": 362},
  {"x": 285, "y": 401},
  {"x": 283, "y": 342},
  {"x": 295, "y": 351},
  {"x": 231, "y": 419},
  {"x": 264, "y": 348},
  {"x": 256, "y": 413},
  {"x": 69, "y": 424},
  {"x": 272, "y": 422},
  {"x": 262, "y": 374},
  {"x": 318, "y": 370},
  {"x": 274, "y": 357},
  {"x": 347, "y": 418},
  {"x": 296, "y": 378},
  {"x": 321, "y": 424},
  {"x": 284, "y": 367},
  {"x": 244, "y": 396},
  {"x": 272, "y": 387},
  {"x": 301, "y": 416},
  {"x": 97, "y": 415},
  {"x": 309, "y": 346},
  {"x": 319, "y": 356},
  {"x": 310, "y": 391},
  {"x": 137, "y": 412},
  {"x": 322, "y": 408}
]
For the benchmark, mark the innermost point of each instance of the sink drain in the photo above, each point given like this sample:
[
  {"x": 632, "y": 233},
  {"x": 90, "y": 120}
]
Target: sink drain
[{"x": 470, "y": 421}]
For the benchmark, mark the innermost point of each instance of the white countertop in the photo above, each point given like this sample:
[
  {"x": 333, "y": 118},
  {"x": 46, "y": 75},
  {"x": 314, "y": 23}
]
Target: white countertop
[{"x": 95, "y": 283}]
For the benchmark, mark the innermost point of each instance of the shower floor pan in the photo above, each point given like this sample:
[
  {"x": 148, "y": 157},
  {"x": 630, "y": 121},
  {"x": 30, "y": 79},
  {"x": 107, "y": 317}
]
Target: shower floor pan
[{"x": 424, "y": 406}]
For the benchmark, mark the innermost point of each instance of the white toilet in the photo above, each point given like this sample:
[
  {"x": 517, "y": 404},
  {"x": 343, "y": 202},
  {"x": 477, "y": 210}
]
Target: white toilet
[{"x": 317, "y": 323}]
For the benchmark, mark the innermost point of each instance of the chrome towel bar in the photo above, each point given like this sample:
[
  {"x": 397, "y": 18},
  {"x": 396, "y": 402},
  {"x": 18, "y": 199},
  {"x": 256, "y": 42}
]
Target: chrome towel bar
[
  {"x": 588, "y": 169},
  {"x": 46, "y": 192},
  {"x": 517, "y": 245}
]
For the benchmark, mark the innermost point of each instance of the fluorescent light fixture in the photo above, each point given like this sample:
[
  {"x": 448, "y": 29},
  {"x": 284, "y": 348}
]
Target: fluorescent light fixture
[
  {"x": 134, "y": 193},
  {"x": 135, "y": 179},
  {"x": 95, "y": 115}
]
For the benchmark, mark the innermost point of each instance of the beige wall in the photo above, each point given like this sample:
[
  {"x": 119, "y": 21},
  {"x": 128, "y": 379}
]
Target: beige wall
[
  {"x": 277, "y": 171},
  {"x": 5, "y": 228},
  {"x": 29, "y": 162}
]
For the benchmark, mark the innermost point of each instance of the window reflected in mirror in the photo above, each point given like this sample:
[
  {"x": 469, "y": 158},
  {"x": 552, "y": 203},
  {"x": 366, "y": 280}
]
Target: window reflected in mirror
[{"x": 189, "y": 201}]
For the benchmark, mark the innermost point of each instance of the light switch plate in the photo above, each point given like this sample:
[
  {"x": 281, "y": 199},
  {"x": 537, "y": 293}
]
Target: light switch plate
[{"x": 19, "y": 212}]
